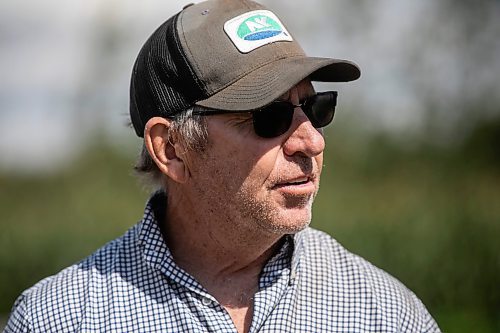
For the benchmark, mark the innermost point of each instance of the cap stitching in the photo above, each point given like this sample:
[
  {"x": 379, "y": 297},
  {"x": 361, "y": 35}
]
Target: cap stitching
[
  {"x": 292, "y": 55},
  {"x": 194, "y": 62},
  {"x": 199, "y": 82},
  {"x": 246, "y": 94}
]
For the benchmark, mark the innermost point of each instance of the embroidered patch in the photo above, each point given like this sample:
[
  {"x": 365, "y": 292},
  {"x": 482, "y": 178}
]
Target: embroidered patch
[{"x": 254, "y": 29}]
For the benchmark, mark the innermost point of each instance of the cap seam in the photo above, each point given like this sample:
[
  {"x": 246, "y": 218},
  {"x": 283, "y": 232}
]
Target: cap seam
[
  {"x": 249, "y": 7},
  {"x": 189, "y": 64},
  {"x": 194, "y": 62}
]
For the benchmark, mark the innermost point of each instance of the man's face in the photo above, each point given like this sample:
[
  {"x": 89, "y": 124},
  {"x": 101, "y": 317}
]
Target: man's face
[{"x": 263, "y": 184}]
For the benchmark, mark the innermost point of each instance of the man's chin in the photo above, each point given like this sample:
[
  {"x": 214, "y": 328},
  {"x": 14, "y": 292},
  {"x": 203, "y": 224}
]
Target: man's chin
[
  {"x": 289, "y": 221},
  {"x": 291, "y": 200}
]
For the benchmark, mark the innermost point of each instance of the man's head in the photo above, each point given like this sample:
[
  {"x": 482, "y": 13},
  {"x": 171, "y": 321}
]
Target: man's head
[
  {"x": 230, "y": 55},
  {"x": 204, "y": 95}
]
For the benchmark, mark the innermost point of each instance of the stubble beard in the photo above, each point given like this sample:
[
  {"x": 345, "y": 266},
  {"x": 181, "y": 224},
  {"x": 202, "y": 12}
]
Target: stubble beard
[
  {"x": 278, "y": 220},
  {"x": 256, "y": 215},
  {"x": 253, "y": 216}
]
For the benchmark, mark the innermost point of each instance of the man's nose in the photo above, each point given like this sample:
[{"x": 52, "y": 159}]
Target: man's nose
[{"x": 304, "y": 138}]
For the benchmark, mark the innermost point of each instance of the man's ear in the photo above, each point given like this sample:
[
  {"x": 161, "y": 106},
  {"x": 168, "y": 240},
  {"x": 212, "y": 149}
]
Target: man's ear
[{"x": 168, "y": 154}]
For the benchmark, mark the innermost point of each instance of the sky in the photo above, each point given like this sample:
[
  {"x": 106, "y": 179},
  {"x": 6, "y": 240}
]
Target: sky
[{"x": 65, "y": 66}]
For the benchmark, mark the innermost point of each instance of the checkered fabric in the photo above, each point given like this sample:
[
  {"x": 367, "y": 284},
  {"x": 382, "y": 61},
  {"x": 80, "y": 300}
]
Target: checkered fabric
[{"x": 133, "y": 285}]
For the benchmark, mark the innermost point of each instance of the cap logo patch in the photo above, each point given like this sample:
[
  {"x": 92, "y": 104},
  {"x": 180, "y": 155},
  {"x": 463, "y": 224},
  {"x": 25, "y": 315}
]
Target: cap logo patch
[{"x": 255, "y": 29}]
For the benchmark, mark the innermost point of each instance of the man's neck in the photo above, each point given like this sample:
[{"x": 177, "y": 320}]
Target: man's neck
[
  {"x": 215, "y": 252},
  {"x": 226, "y": 261}
]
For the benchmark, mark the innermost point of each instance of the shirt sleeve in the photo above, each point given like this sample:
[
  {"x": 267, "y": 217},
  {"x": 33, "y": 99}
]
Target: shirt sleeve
[
  {"x": 398, "y": 303},
  {"x": 428, "y": 324},
  {"x": 18, "y": 322}
]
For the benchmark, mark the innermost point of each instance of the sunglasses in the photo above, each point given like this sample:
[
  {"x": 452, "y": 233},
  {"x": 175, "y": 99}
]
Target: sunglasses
[{"x": 276, "y": 118}]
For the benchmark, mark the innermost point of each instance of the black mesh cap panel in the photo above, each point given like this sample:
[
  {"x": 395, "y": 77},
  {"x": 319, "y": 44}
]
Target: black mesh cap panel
[{"x": 163, "y": 83}]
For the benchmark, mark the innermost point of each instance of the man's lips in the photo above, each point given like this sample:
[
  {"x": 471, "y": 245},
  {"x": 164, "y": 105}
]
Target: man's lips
[
  {"x": 297, "y": 186},
  {"x": 294, "y": 181}
]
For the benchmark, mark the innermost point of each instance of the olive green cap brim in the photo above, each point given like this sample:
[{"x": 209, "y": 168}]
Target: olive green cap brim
[{"x": 267, "y": 83}]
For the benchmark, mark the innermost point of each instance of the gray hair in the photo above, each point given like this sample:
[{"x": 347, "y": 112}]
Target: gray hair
[{"x": 189, "y": 130}]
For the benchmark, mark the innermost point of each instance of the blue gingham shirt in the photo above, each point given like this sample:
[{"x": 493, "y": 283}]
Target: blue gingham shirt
[{"x": 132, "y": 284}]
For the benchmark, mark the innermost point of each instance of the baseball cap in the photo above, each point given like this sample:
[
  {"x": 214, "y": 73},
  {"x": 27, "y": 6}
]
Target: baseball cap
[{"x": 232, "y": 55}]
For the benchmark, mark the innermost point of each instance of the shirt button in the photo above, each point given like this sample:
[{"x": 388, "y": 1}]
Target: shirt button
[{"x": 206, "y": 301}]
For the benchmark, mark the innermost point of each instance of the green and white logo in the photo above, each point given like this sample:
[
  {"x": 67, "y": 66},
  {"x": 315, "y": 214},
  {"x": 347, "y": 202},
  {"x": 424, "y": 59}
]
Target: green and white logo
[
  {"x": 259, "y": 27},
  {"x": 255, "y": 29}
]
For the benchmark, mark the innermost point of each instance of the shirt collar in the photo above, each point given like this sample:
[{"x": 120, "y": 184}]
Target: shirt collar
[{"x": 154, "y": 248}]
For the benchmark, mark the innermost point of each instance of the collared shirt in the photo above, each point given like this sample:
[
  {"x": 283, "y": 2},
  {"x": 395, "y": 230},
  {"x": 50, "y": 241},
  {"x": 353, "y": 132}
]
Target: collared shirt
[{"x": 132, "y": 284}]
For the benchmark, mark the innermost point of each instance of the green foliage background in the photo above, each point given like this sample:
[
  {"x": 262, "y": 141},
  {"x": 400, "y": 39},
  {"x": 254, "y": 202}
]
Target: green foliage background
[{"x": 429, "y": 216}]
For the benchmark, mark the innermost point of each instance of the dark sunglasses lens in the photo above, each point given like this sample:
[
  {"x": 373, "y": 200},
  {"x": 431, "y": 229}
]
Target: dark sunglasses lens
[
  {"x": 321, "y": 108},
  {"x": 273, "y": 120}
]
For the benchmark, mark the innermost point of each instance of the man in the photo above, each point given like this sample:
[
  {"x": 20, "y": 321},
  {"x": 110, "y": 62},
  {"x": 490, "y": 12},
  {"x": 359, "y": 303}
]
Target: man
[{"x": 222, "y": 95}]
